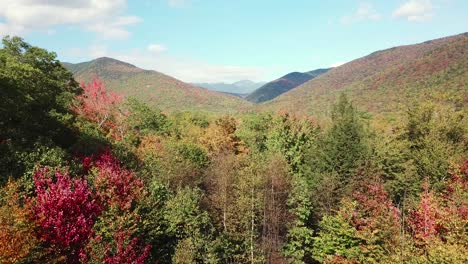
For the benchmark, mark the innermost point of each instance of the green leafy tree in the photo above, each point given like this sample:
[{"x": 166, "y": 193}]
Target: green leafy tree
[
  {"x": 35, "y": 98},
  {"x": 340, "y": 159},
  {"x": 436, "y": 136},
  {"x": 144, "y": 119},
  {"x": 292, "y": 138},
  {"x": 337, "y": 237},
  {"x": 345, "y": 146},
  {"x": 189, "y": 225}
]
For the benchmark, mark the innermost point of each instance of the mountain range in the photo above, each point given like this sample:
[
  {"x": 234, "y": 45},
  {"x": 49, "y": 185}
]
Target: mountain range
[
  {"x": 383, "y": 82},
  {"x": 154, "y": 88},
  {"x": 242, "y": 87}
]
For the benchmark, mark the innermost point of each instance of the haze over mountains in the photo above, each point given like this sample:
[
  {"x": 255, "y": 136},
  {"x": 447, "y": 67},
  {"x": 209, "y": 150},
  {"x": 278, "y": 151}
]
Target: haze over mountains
[
  {"x": 382, "y": 82},
  {"x": 240, "y": 87}
]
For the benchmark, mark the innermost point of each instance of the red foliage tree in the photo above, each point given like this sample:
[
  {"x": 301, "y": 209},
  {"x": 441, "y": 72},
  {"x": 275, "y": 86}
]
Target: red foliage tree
[
  {"x": 97, "y": 104},
  {"x": 376, "y": 219},
  {"x": 121, "y": 249},
  {"x": 423, "y": 221},
  {"x": 65, "y": 211},
  {"x": 115, "y": 185},
  {"x": 127, "y": 251},
  {"x": 373, "y": 205}
]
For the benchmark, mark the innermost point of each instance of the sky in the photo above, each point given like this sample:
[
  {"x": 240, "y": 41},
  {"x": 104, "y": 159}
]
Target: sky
[{"x": 228, "y": 40}]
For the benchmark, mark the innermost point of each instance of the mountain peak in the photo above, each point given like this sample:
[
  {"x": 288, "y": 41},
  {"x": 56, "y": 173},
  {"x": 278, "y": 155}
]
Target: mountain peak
[{"x": 105, "y": 61}]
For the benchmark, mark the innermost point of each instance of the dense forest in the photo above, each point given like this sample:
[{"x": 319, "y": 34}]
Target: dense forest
[{"x": 90, "y": 176}]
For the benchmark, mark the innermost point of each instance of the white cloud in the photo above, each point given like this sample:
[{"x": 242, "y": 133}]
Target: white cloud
[
  {"x": 187, "y": 70},
  {"x": 94, "y": 51},
  {"x": 8, "y": 29},
  {"x": 114, "y": 29},
  {"x": 99, "y": 16},
  {"x": 365, "y": 11},
  {"x": 156, "y": 48},
  {"x": 415, "y": 10}
]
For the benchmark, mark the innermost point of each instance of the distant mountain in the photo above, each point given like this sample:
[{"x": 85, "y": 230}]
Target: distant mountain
[
  {"x": 388, "y": 81},
  {"x": 240, "y": 87},
  {"x": 282, "y": 85},
  {"x": 155, "y": 88},
  {"x": 248, "y": 86}
]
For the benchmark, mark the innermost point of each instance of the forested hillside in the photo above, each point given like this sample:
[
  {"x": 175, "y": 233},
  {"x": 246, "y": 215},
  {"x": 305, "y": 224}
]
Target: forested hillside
[
  {"x": 279, "y": 86},
  {"x": 154, "y": 88},
  {"x": 388, "y": 81},
  {"x": 91, "y": 175}
]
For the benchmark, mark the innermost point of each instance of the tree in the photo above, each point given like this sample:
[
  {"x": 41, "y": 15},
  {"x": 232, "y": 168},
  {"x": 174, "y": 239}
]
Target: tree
[
  {"x": 249, "y": 201},
  {"x": 220, "y": 181},
  {"x": 65, "y": 210},
  {"x": 122, "y": 249},
  {"x": 437, "y": 137},
  {"x": 275, "y": 210},
  {"x": 292, "y": 138},
  {"x": 103, "y": 108},
  {"x": 146, "y": 120},
  {"x": 115, "y": 186},
  {"x": 365, "y": 229},
  {"x": 337, "y": 238},
  {"x": 300, "y": 233},
  {"x": 97, "y": 104},
  {"x": 423, "y": 220},
  {"x": 339, "y": 158},
  {"x": 221, "y": 137},
  {"x": 438, "y": 222},
  {"x": 186, "y": 220},
  {"x": 179, "y": 164},
  {"x": 117, "y": 229},
  {"x": 17, "y": 240},
  {"x": 377, "y": 222},
  {"x": 344, "y": 148},
  {"x": 35, "y": 96}
]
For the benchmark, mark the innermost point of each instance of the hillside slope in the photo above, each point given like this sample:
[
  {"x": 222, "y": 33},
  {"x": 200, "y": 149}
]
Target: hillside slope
[
  {"x": 387, "y": 81},
  {"x": 154, "y": 88},
  {"x": 279, "y": 86}
]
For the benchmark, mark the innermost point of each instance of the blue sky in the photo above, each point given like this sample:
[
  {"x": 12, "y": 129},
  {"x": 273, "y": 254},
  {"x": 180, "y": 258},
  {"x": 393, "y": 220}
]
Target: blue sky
[{"x": 224, "y": 40}]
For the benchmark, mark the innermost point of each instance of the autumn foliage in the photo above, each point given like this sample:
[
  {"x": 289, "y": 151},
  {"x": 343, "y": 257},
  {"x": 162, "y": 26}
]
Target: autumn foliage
[
  {"x": 424, "y": 219},
  {"x": 96, "y": 103},
  {"x": 126, "y": 251},
  {"x": 376, "y": 218},
  {"x": 202, "y": 188},
  {"x": 17, "y": 238},
  {"x": 115, "y": 185},
  {"x": 65, "y": 210}
]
